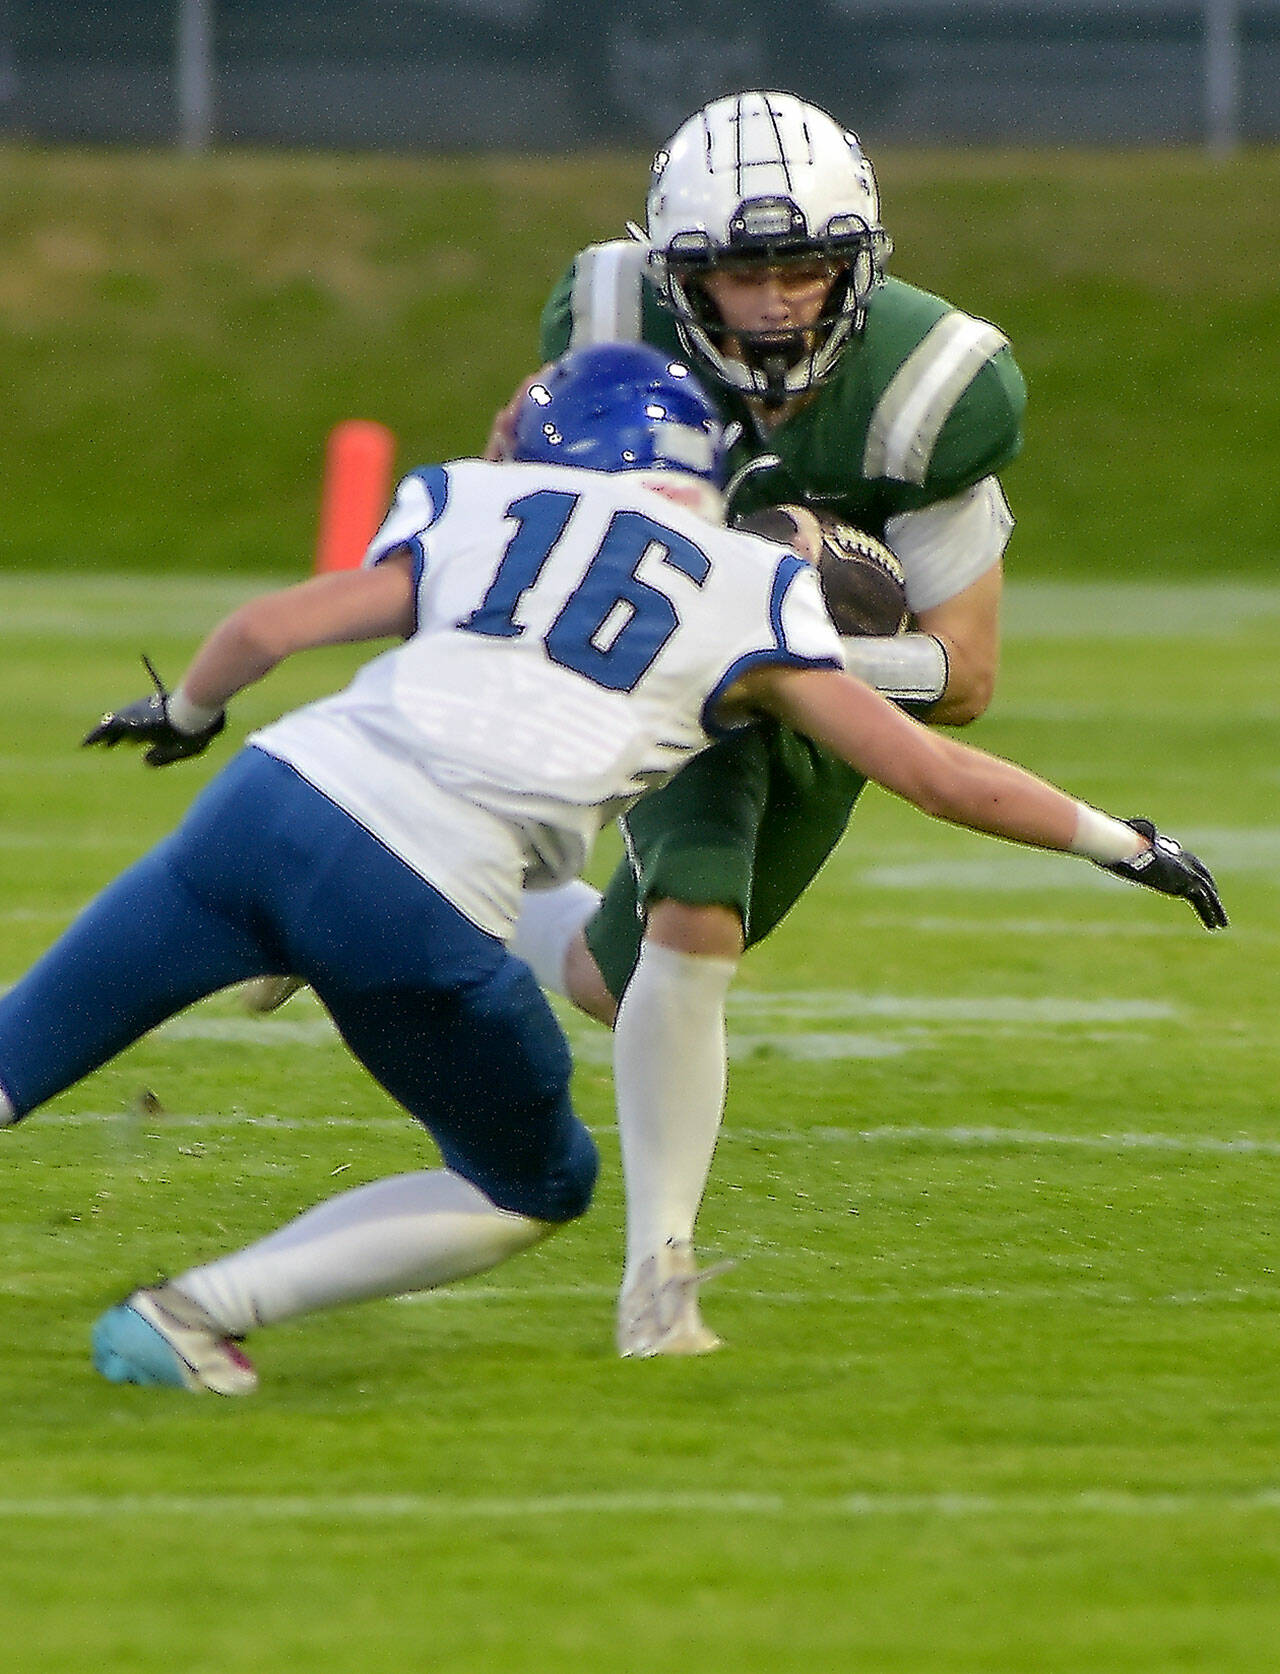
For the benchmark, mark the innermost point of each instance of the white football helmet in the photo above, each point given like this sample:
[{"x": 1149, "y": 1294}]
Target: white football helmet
[{"x": 764, "y": 177}]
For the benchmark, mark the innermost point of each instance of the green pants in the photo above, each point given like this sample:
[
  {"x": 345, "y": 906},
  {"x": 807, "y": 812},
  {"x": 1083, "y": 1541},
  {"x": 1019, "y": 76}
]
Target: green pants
[{"x": 746, "y": 825}]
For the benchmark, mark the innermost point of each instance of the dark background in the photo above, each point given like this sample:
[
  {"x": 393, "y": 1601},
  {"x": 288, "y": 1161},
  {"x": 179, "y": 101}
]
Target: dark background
[{"x": 543, "y": 76}]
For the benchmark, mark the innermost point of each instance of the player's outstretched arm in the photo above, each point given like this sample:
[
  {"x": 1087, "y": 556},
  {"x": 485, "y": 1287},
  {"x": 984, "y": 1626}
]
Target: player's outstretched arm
[
  {"x": 969, "y": 787},
  {"x": 349, "y": 606}
]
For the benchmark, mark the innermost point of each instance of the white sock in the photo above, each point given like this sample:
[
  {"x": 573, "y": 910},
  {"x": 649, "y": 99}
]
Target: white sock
[
  {"x": 669, "y": 1072},
  {"x": 409, "y": 1232},
  {"x": 8, "y": 1115},
  {"x": 549, "y": 920}
]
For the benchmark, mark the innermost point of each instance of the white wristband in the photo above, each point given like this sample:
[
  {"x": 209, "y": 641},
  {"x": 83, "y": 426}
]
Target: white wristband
[
  {"x": 905, "y": 666},
  {"x": 1098, "y": 837},
  {"x": 185, "y": 716}
]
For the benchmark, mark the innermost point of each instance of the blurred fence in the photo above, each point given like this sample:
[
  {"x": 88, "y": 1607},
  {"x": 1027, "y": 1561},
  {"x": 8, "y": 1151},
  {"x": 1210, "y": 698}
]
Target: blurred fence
[{"x": 550, "y": 75}]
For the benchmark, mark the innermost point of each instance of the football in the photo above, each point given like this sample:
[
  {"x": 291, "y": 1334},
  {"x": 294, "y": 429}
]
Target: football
[{"x": 862, "y": 582}]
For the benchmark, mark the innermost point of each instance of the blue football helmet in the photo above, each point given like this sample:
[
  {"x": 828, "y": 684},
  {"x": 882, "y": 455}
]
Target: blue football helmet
[{"x": 622, "y": 407}]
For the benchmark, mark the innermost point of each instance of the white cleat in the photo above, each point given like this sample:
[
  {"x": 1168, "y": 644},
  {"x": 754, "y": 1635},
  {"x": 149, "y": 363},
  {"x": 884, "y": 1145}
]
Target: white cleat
[
  {"x": 160, "y": 1337},
  {"x": 268, "y": 993},
  {"x": 658, "y": 1311}
]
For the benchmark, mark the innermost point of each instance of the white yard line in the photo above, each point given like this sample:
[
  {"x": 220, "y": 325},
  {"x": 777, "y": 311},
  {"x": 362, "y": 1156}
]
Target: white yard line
[
  {"x": 896, "y": 1296},
  {"x": 1000, "y": 1138},
  {"x": 52, "y": 842},
  {"x": 430, "y": 1508},
  {"x": 807, "y": 1004},
  {"x": 1035, "y": 610},
  {"x": 119, "y": 606},
  {"x": 906, "y": 1136},
  {"x": 916, "y": 1021}
]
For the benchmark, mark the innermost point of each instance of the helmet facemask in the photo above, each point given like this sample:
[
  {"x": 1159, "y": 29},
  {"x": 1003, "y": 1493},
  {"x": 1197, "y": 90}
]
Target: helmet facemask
[{"x": 773, "y": 365}]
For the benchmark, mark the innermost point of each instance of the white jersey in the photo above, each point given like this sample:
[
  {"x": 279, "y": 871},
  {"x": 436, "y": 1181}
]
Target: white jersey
[{"x": 575, "y": 632}]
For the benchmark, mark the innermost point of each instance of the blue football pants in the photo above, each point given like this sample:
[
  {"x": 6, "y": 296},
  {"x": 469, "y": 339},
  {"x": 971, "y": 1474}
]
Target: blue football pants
[{"x": 267, "y": 876}]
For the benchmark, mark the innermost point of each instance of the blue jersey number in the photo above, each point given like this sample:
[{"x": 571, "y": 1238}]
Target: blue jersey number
[{"x": 613, "y": 625}]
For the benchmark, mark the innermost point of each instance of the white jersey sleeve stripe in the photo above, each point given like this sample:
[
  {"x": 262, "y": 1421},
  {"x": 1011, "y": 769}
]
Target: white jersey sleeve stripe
[
  {"x": 606, "y": 293},
  {"x": 911, "y": 413},
  {"x": 420, "y": 501}
]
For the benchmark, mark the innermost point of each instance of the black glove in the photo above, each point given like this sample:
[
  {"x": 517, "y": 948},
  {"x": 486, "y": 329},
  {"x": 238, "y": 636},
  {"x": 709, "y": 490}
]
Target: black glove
[
  {"x": 1168, "y": 867},
  {"x": 147, "y": 722}
]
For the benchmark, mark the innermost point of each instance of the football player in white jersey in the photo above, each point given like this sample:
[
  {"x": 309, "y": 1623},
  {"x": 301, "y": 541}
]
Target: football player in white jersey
[{"x": 574, "y": 626}]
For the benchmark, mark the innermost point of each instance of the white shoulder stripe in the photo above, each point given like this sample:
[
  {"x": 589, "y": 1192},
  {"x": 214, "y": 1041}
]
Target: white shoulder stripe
[
  {"x": 911, "y": 413},
  {"x": 606, "y": 293}
]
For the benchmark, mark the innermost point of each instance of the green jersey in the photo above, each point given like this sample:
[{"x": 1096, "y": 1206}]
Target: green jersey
[
  {"x": 925, "y": 403},
  {"x": 922, "y": 406}
]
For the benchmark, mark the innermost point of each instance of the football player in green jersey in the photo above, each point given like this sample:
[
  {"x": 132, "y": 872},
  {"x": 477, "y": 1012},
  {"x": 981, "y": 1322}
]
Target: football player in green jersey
[{"x": 854, "y": 394}]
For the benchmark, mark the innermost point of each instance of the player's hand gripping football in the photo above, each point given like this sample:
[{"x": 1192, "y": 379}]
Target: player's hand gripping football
[
  {"x": 147, "y": 722},
  {"x": 1171, "y": 869}
]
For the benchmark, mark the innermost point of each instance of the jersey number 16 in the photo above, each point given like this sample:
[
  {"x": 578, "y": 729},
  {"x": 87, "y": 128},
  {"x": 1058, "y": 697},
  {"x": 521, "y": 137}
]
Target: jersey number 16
[{"x": 613, "y": 625}]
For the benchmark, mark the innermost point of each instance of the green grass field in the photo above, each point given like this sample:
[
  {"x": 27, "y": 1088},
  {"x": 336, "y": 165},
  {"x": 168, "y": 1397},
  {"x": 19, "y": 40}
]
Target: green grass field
[{"x": 1001, "y": 1386}]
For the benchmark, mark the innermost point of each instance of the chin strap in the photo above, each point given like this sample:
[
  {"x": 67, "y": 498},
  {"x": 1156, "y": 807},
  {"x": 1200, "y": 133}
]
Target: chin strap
[{"x": 774, "y": 361}]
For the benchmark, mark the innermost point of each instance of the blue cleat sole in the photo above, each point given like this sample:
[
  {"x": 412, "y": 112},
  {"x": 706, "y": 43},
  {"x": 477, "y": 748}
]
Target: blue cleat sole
[{"x": 126, "y": 1349}]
